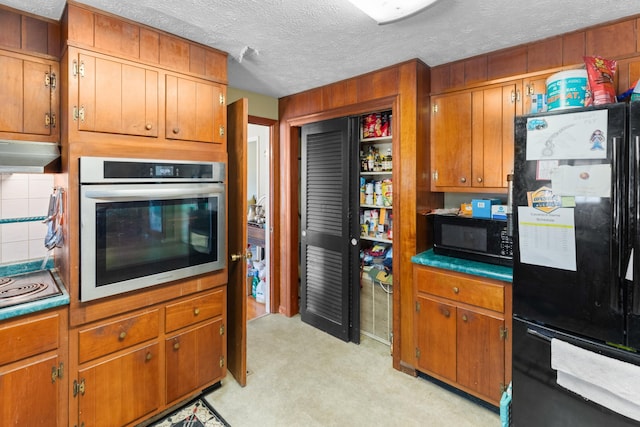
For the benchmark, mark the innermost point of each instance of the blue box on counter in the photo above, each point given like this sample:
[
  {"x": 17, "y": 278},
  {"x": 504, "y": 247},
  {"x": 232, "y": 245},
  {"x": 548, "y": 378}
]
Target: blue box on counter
[
  {"x": 499, "y": 212},
  {"x": 481, "y": 208}
]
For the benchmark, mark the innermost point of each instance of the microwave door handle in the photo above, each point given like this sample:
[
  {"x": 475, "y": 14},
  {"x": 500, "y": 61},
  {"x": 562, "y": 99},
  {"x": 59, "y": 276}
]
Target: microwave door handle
[{"x": 146, "y": 194}]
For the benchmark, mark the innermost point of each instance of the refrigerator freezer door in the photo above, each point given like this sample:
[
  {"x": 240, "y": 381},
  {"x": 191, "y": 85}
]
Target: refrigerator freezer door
[
  {"x": 537, "y": 398},
  {"x": 633, "y": 279},
  {"x": 587, "y": 300}
]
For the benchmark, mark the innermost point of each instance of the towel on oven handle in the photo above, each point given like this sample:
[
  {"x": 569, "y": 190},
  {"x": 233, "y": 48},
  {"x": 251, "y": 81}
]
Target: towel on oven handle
[{"x": 609, "y": 382}]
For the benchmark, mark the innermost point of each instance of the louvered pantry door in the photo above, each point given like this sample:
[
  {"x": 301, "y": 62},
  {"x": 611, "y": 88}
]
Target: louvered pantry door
[{"x": 327, "y": 250}]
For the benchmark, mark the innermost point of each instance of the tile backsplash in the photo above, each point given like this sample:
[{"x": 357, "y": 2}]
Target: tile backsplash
[{"x": 22, "y": 198}]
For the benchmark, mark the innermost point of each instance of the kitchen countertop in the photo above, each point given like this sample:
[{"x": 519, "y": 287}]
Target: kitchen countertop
[
  {"x": 491, "y": 271},
  {"x": 38, "y": 305}
]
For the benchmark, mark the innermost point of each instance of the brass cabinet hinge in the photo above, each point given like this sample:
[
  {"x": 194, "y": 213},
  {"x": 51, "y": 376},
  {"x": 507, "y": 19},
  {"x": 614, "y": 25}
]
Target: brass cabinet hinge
[
  {"x": 435, "y": 175},
  {"x": 78, "y": 387},
  {"x": 57, "y": 372},
  {"x": 221, "y": 99},
  {"x": 49, "y": 120},
  {"x": 77, "y": 69},
  {"x": 435, "y": 108},
  {"x": 417, "y": 353},
  {"x": 504, "y": 333},
  {"x": 221, "y": 329},
  {"x": 221, "y": 361},
  {"x": 78, "y": 113},
  {"x": 50, "y": 80},
  {"x": 221, "y": 130},
  {"x": 418, "y": 306}
]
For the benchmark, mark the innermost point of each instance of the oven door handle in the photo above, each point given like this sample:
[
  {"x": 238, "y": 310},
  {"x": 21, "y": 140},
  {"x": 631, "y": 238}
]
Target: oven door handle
[{"x": 154, "y": 193}]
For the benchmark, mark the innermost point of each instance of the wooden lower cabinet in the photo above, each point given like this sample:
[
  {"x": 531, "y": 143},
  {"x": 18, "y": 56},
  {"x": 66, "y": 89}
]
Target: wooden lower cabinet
[
  {"x": 194, "y": 358},
  {"x": 33, "y": 389},
  {"x": 462, "y": 331},
  {"x": 121, "y": 389},
  {"x": 136, "y": 365}
]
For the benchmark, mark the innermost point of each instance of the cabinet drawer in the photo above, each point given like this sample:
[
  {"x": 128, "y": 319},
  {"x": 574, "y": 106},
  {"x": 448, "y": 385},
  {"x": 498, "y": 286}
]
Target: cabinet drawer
[
  {"x": 465, "y": 289},
  {"x": 113, "y": 336},
  {"x": 28, "y": 338},
  {"x": 185, "y": 313}
]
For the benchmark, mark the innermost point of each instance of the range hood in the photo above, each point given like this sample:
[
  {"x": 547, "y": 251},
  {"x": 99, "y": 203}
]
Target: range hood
[{"x": 29, "y": 157}]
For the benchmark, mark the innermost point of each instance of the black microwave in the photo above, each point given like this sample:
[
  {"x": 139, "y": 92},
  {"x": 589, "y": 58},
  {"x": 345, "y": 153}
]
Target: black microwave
[{"x": 477, "y": 239}]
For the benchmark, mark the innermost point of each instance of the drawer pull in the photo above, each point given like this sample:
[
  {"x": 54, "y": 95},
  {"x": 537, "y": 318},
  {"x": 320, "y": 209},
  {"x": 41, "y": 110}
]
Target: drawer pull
[
  {"x": 176, "y": 131},
  {"x": 122, "y": 335},
  {"x": 446, "y": 313},
  {"x": 148, "y": 126},
  {"x": 196, "y": 311},
  {"x": 464, "y": 318},
  {"x": 456, "y": 290},
  {"x": 176, "y": 345},
  {"x": 149, "y": 356}
]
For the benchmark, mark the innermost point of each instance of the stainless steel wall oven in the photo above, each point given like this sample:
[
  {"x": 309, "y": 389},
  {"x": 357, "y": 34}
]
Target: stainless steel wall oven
[{"x": 147, "y": 222}]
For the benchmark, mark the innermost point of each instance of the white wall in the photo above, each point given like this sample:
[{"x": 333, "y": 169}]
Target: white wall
[{"x": 23, "y": 196}]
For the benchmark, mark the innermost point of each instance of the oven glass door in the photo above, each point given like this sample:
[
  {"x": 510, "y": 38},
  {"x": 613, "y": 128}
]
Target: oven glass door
[{"x": 133, "y": 241}]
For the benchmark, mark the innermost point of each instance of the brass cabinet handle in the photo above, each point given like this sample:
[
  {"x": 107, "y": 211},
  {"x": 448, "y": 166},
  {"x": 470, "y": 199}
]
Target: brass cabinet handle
[
  {"x": 122, "y": 335},
  {"x": 446, "y": 313},
  {"x": 149, "y": 356},
  {"x": 176, "y": 130},
  {"x": 148, "y": 126},
  {"x": 479, "y": 179},
  {"x": 456, "y": 290},
  {"x": 463, "y": 179},
  {"x": 176, "y": 345},
  {"x": 464, "y": 318},
  {"x": 196, "y": 311}
]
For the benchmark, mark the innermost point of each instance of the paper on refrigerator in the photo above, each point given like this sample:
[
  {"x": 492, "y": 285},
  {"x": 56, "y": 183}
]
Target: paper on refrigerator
[
  {"x": 568, "y": 136},
  {"x": 547, "y": 239},
  {"x": 583, "y": 180}
]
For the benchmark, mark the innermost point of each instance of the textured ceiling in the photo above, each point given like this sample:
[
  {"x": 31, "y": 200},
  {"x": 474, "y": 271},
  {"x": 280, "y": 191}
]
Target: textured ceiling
[{"x": 281, "y": 47}]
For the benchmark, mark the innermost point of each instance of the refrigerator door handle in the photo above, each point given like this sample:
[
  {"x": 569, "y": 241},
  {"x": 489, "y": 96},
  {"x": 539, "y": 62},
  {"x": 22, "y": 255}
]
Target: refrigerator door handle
[{"x": 635, "y": 276}]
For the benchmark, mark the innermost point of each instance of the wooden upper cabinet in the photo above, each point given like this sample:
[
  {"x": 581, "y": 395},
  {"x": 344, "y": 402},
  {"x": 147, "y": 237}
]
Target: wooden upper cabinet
[
  {"x": 531, "y": 87},
  {"x": 494, "y": 110},
  {"x": 30, "y": 100},
  {"x": 195, "y": 110},
  {"x": 472, "y": 138},
  {"x": 451, "y": 140},
  {"x": 115, "y": 97}
]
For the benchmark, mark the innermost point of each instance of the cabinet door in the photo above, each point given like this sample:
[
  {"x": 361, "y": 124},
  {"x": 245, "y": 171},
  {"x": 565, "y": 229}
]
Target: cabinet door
[
  {"x": 28, "y": 396},
  {"x": 451, "y": 140},
  {"x": 116, "y": 97},
  {"x": 436, "y": 337},
  {"x": 480, "y": 353},
  {"x": 120, "y": 390},
  {"x": 195, "y": 110},
  {"x": 194, "y": 358},
  {"x": 532, "y": 87},
  {"x": 494, "y": 110},
  {"x": 27, "y": 96}
]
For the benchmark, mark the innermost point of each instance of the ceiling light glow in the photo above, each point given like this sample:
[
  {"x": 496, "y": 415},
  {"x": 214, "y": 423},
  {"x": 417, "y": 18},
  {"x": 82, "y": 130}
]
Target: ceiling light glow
[{"x": 387, "y": 11}]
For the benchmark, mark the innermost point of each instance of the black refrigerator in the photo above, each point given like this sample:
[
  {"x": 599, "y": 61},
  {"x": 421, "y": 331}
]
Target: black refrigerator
[{"x": 576, "y": 306}]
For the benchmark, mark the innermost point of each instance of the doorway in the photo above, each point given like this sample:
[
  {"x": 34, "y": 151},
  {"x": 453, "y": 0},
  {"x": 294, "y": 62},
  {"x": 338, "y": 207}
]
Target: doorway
[{"x": 259, "y": 217}]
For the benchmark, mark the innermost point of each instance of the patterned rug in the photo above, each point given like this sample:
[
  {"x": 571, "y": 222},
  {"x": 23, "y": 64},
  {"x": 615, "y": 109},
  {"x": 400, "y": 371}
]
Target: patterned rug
[{"x": 196, "y": 413}]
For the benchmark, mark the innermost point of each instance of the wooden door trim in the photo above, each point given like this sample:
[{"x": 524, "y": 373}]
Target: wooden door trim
[{"x": 274, "y": 209}]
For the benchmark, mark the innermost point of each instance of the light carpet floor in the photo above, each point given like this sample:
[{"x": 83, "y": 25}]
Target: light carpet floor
[{"x": 301, "y": 376}]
